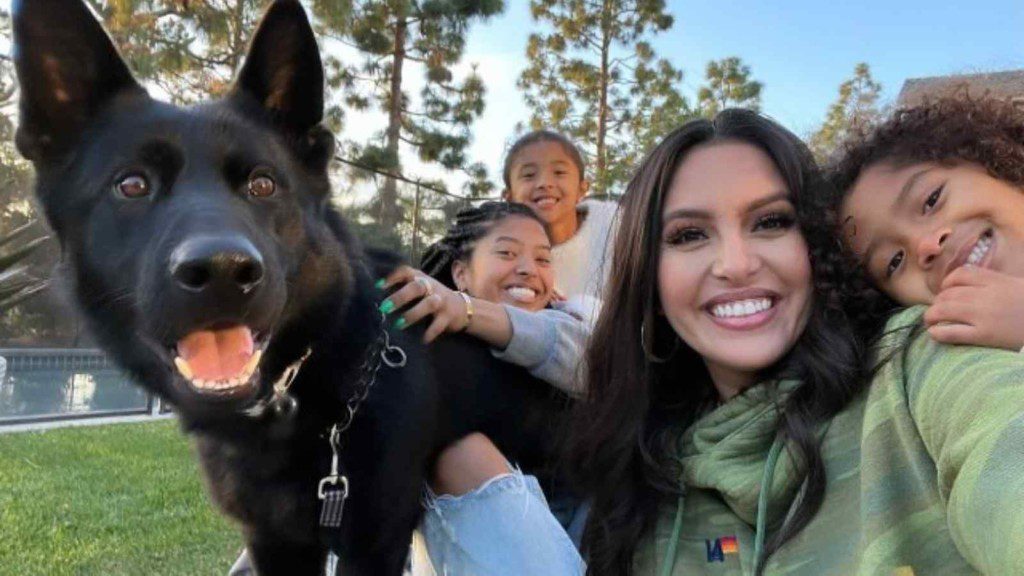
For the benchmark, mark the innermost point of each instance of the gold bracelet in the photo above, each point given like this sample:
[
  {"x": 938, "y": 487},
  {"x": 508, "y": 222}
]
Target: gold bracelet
[{"x": 469, "y": 310}]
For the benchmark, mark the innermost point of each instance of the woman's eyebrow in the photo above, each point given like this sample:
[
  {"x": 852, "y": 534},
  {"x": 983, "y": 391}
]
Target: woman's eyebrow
[
  {"x": 508, "y": 239},
  {"x": 699, "y": 213},
  {"x": 780, "y": 195},
  {"x": 687, "y": 213}
]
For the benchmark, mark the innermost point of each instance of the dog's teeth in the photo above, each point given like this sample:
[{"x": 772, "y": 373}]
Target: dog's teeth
[
  {"x": 250, "y": 366},
  {"x": 183, "y": 367}
]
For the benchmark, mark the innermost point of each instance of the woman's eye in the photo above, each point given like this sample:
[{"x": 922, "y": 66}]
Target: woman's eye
[
  {"x": 544, "y": 261},
  {"x": 894, "y": 264},
  {"x": 261, "y": 185},
  {"x": 505, "y": 254},
  {"x": 682, "y": 236},
  {"x": 133, "y": 186},
  {"x": 775, "y": 221},
  {"x": 932, "y": 199},
  {"x": 526, "y": 176}
]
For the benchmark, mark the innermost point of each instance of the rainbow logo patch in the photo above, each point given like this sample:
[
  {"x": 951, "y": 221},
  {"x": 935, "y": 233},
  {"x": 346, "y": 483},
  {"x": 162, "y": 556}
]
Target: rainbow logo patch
[{"x": 719, "y": 547}]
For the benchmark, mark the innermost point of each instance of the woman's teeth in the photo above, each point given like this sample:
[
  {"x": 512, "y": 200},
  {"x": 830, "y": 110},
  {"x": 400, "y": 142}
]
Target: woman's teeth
[
  {"x": 522, "y": 294},
  {"x": 741, "y": 308},
  {"x": 980, "y": 249},
  {"x": 546, "y": 202}
]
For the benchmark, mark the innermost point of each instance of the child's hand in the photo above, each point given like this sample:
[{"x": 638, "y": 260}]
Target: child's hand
[{"x": 980, "y": 307}]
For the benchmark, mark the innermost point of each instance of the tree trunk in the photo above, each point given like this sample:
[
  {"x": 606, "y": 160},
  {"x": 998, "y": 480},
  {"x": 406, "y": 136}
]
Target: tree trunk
[
  {"x": 602, "y": 104},
  {"x": 390, "y": 212}
]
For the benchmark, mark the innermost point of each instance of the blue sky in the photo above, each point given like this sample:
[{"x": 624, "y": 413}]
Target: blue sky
[{"x": 802, "y": 50}]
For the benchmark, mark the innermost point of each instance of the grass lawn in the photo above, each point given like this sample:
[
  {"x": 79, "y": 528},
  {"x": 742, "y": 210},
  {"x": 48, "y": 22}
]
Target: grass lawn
[{"x": 108, "y": 500}]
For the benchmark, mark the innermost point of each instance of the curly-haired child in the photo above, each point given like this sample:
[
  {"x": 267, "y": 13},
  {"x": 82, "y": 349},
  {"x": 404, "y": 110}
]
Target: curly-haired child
[{"x": 932, "y": 205}]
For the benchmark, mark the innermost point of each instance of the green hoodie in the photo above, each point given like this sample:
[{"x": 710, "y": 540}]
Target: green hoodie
[{"x": 925, "y": 474}]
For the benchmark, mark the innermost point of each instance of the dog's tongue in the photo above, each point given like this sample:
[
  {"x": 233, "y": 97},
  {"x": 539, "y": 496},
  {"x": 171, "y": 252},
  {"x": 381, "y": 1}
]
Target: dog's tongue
[{"x": 217, "y": 354}]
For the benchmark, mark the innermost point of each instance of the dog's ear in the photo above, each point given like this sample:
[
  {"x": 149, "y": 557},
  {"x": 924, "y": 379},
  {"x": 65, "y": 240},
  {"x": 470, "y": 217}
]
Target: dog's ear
[
  {"x": 67, "y": 69},
  {"x": 283, "y": 71}
]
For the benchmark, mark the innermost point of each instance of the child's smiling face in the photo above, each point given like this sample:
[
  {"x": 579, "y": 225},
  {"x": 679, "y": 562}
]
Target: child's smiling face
[
  {"x": 546, "y": 178},
  {"x": 912, "y": 225}
]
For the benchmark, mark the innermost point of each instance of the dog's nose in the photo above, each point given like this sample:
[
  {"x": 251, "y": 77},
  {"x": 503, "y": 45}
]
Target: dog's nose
[{"x": 220, "y": 262}]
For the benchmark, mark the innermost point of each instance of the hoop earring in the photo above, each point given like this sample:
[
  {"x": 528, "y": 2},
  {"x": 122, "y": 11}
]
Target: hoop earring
[{"x": 650, "y": 353}]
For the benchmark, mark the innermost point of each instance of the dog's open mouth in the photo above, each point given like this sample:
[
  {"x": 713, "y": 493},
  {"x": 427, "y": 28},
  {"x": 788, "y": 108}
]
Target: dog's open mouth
[{"x": 222, "y": 360}]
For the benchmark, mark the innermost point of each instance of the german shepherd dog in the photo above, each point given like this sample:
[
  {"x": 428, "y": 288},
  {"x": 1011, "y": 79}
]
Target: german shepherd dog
[{"x": 200, "y": 247}]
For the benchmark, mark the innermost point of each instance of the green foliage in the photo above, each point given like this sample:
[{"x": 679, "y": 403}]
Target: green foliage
[
  {"x": 16, "y": 283},
  {"x": 19, "y": 237},
  {"x": 190, "y": 49},
  {"x": 26, "y": 256},
  {"x": 430, "y": 35},
  {"x": 594, "y": 77},
  {"x": 856, "y": 107},
  {"x": 728, "y": 84},
  {"x": 108, "y": 500}
]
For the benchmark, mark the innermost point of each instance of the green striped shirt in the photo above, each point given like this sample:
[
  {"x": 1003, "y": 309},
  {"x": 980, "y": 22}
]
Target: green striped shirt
[{"x": 925, "y": 474}]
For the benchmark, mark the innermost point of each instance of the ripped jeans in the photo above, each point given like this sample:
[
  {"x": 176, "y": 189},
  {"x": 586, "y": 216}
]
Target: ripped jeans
[{"x": 504, "y": 527}]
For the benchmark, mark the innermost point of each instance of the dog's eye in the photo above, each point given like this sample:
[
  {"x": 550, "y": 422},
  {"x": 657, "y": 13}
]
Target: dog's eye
[
  {"x": 133, "y": 186},
  {"x": 261, "y": 186}
]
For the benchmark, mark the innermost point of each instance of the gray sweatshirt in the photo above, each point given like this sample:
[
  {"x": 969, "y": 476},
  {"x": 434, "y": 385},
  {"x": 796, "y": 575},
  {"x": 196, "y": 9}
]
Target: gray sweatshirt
[{"x": 549, "y": 343}]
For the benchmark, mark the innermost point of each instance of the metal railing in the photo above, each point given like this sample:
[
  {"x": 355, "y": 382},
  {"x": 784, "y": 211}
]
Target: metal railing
[{"x": 50, "y": 384}]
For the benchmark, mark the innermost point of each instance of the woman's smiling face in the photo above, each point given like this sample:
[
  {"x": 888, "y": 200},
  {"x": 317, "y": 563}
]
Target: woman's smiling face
[
  {"x": 913, "y": 225},
  {"x": 511, "y": 265},
  {"x": 734, "y": 275}
]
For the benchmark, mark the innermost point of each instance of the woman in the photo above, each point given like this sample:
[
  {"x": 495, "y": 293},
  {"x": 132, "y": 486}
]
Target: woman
[
  {"x": 491, "y": 276},
  {"x": 723, "y": 363}
]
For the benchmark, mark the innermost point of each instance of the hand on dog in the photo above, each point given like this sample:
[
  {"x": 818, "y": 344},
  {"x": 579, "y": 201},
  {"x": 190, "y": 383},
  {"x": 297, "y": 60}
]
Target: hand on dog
[
  {"x": 444, "y": 305},
  {"x": 979, "y": 307}
]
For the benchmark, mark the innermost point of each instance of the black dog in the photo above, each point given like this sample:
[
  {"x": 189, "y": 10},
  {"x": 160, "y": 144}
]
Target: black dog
[{"x": 201, "y": 249}]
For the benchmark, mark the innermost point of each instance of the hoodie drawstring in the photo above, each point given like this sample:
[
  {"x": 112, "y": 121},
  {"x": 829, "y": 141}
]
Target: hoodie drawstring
[
  {"x": 668, "y": 562},
  {"x": 762, "y": 500}
]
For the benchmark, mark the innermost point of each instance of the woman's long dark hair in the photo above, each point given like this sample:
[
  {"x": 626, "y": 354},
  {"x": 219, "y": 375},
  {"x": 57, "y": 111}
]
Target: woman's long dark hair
[{"x": 622, "y": 443}]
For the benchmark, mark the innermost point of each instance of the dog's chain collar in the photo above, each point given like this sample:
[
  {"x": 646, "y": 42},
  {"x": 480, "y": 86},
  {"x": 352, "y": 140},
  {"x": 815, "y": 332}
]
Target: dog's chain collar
[{"x": 333, "y": 488}]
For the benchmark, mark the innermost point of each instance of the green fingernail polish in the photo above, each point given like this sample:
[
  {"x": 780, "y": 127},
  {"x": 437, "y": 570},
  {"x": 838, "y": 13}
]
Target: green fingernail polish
[
  {"x": 379, "y": 284},
  {"x": 400, "y": 323},
  {"x": 387, "y": 306}
]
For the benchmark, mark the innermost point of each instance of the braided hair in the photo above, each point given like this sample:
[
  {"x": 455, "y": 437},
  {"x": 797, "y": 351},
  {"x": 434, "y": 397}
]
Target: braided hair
[{"x": 458, "y": 243}]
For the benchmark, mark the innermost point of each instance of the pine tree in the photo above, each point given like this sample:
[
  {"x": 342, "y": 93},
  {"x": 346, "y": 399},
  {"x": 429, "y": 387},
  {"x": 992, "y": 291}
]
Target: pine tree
[
  {"x": 856, "y": 107},
  {"x": 594, "y": 76},
  {"x": 189, "y": 49},
  {"x": 396, "y": 36},
  {"x": 728, "y": 84}
]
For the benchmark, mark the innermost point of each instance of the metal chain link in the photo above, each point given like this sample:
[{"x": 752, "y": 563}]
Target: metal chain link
[{"x": 376, "y": 354}]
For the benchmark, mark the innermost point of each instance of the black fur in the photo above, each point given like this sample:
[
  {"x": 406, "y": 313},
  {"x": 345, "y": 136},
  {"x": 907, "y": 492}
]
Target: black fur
[{"x": 86, "y": 123}]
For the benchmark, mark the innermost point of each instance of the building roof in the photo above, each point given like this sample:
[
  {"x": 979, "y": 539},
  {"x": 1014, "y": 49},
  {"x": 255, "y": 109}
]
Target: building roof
[{"x": 1007, "y": 84}]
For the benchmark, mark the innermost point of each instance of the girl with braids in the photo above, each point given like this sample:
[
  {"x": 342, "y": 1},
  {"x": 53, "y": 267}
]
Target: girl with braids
[
  {"x": 491, "y": 276},
  {"x": 730, "y": 423},
  {"x": 954, "y": 171}
]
